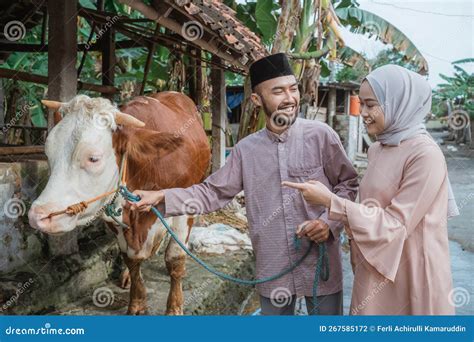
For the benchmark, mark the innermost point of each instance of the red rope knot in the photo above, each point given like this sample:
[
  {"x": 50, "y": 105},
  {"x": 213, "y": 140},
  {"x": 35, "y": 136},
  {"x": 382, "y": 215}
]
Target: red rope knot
[{"x": 77, "y": 208}]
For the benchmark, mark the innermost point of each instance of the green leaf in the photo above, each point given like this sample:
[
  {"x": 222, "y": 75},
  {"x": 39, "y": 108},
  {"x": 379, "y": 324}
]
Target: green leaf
[
  {"x": 384, "y": 31},
  {"x": 266, "y": 21},
  {"x": 246, "y": 14},
  {"x": 325, "y": 71},
  {"x": 345, "y": 3},
  {"x": 465, "y": 60}
]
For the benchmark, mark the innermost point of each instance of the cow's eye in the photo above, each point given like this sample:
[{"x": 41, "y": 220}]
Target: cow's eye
[{"x": 93, "y": 159}]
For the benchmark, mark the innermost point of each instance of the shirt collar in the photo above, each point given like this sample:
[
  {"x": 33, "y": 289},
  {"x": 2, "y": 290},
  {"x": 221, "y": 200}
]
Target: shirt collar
[{"x": 283, "y": 137}]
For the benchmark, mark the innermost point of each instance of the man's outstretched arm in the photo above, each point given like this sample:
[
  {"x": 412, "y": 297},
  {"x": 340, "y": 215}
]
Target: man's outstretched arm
[{"x": 214, "y": 193}]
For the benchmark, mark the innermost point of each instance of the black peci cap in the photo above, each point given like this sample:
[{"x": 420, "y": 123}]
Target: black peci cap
[{"x": 269, "y": 67}]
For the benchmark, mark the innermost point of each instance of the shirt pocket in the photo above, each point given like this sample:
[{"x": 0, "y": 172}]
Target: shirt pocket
[{"x": 305, "y": 174}]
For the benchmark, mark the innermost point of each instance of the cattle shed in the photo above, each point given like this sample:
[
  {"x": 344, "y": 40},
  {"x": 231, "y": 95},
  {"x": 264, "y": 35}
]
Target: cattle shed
[{"x": 204, "y": 32}]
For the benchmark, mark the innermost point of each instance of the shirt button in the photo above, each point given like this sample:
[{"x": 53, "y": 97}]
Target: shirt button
[{"x": 281, "y": 147}]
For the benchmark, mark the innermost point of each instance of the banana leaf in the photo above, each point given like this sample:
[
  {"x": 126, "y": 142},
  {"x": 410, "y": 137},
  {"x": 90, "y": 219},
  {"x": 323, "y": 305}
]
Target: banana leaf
[{"x": 383, "y": 31}]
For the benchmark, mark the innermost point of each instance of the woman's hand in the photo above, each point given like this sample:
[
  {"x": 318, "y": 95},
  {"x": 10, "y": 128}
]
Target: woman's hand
[
  {"x": 314, "y": 192},
  {"x": 147, "y": 200}
]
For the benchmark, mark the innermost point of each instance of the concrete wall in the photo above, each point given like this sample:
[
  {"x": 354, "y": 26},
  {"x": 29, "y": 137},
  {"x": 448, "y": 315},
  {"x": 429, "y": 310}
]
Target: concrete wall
[{"x": 20, "y": 184}]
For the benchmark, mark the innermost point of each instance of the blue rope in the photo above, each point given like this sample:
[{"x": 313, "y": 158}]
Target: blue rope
[{"x": 322, "y": 266}]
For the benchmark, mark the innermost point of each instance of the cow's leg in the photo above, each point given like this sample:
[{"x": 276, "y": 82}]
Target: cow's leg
[
  {"x": 137, "y": 303},
  {"x": 124, "y": 279},
  {"x": 175, "y": 259}
]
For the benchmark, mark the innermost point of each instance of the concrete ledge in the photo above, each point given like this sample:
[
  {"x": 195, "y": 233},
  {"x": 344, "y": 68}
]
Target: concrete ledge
[{"x": 43, "y": 285}]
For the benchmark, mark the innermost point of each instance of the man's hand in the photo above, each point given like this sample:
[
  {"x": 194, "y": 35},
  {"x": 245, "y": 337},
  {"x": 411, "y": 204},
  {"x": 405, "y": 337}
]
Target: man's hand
[
  {"x": 147, "y": 200},
  {"x": 315, "y": 230}
]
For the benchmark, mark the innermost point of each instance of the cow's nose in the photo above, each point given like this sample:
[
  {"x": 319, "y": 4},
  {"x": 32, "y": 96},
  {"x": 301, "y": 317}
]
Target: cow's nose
[{"x": 38, "y": 217}]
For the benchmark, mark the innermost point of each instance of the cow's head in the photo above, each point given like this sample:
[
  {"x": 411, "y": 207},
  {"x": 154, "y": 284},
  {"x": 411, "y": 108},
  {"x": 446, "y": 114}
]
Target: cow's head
[{"x": 82, "y": 161}]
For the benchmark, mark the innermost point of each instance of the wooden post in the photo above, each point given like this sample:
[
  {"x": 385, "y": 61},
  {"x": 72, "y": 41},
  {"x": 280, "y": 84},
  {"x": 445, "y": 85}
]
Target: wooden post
[
  {"x": 219, "y": 112},
  {"x": 199, "y": 93},
  {"x": 353, "y": 135},
  {"x": 108, "y": 59},
  {"x": 62, "y": 84},
  {"x": 2, "y": 108},
  {"x": 191, "y": 72},
  {"x": 331, "y": 106},
  {"x": 149, "y": 60},
  {"x": 62, "y": 54}
]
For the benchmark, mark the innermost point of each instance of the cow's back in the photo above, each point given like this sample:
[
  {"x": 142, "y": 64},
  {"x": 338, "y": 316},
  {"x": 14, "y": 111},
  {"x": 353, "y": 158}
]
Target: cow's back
[{"x": 175, "y": 113}]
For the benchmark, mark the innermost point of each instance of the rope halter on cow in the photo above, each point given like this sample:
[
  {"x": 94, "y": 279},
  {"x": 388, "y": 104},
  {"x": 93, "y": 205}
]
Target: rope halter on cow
[{"x": 77, "y": 208}]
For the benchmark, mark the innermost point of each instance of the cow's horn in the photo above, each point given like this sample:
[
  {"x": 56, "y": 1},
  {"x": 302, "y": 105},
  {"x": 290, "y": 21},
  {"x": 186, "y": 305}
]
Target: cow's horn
[
  {"x": 52, "y": 104},
  {"x": 127, "y": 120}
]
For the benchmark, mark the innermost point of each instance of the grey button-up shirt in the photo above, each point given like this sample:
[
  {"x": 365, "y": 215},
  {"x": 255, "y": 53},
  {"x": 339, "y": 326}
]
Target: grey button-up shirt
[{"x": 258, "y": 164}]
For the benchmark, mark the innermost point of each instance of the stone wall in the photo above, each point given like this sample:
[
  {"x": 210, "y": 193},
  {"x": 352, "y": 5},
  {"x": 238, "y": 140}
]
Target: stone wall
[{"x": 20, "y": 184}]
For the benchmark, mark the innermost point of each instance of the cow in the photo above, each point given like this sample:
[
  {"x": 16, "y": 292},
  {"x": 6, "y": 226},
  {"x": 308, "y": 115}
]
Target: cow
[{"x": 166, "y": 146}]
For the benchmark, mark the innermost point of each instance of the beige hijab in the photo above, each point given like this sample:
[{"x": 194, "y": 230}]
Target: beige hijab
[{"x": 405, "y": 98}]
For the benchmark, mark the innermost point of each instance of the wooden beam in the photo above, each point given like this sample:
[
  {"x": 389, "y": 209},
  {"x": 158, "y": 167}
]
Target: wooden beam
[
  {"x": 161, "y": 17},
  {"x": 219, "y": 113},
  {"x": 15, "y": 150},
  {"x": 38, "y": 48},
  {"x": 39, "y": 79}
]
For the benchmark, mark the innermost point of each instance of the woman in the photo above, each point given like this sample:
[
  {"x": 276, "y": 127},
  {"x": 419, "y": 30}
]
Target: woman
[{"x": 398, "y": 232}]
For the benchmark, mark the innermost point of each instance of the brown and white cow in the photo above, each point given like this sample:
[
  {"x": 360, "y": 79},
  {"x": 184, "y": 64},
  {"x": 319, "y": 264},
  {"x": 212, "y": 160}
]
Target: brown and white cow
[{"x": 84, "y": 151}]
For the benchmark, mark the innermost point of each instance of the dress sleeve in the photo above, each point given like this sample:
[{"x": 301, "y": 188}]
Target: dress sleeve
[
  {"x": 380, "y": 233},
  {"x": 342, "y": 176},
  {"x": 214, "y": 193}
]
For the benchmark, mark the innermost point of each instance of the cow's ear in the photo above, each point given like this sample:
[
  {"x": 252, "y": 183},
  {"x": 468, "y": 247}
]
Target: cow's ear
[{"x": 148, "y": 144}]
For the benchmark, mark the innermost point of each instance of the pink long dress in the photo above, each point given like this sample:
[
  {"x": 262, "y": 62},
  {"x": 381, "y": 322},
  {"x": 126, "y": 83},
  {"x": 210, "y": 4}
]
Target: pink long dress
[{"x": 399, "y": 239}]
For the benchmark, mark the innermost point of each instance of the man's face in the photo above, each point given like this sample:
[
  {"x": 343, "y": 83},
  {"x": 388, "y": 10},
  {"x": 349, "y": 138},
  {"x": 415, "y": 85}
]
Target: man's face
[{"x": 280, "y": 98}]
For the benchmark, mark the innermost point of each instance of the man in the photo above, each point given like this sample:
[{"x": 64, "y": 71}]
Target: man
[{"x": 288, "y": 148}]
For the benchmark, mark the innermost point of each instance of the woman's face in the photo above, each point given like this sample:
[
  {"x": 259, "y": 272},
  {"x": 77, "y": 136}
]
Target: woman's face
[{"x": 371, "y": 110}]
